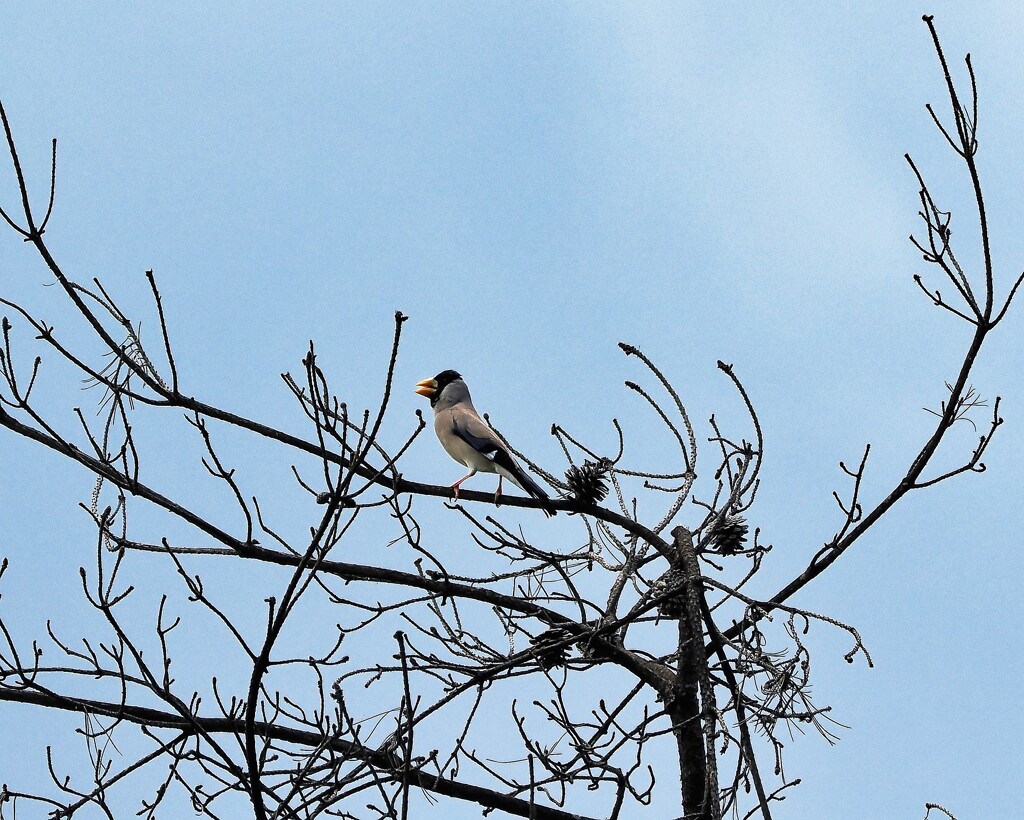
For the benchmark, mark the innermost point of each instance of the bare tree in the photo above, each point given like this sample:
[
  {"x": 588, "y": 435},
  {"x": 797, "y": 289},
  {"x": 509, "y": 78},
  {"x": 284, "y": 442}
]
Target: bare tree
[{"x": 368, "y": 688}]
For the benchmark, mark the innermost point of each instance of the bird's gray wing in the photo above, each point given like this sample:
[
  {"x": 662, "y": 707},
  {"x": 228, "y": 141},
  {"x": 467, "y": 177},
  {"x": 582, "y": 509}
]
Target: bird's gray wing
[{"x": 471, "y": 429}]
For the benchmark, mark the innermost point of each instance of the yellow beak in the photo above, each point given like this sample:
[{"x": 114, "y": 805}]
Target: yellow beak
[{"x": 427, "y": 387}]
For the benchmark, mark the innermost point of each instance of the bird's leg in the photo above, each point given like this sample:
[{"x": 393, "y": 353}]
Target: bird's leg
[
  {"x": 455, "y": 486},
  {"x": 497, "y": 493}
]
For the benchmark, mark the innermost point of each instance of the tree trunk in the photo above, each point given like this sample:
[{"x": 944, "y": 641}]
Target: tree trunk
[
  {"x": 688, "y": 728},
  {"x": 692, "y": 724}
]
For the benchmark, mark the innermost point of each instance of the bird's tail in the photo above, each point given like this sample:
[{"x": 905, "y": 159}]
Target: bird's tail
[{"x": 532, "y": 489}]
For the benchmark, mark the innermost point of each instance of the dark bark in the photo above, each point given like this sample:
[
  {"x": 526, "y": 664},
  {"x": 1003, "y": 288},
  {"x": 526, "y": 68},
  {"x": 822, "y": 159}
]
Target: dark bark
[
  {"x": 692, "y": 722},
  {"x": 684, "y": 707}
]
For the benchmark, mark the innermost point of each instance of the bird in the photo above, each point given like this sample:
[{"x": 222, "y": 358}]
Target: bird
[{"x": 467, "y": 438}]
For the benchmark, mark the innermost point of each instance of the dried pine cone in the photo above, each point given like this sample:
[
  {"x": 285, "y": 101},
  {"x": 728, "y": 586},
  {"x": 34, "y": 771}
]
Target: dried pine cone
[
  {"x": 587, "y": 483},
  {"x": 730, "y": 535},
  {"x": 549, "y": 656},
  {"x": 675, "y": 605}
]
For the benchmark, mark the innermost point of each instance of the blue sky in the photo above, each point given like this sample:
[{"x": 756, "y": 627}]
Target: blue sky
[{"x": 532, "y": 185}]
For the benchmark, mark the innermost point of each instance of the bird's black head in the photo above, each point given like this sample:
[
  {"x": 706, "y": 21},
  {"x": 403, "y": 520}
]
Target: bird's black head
[
  {"x": 446, "y": 377},
  {"x": 431, "y": 388}
]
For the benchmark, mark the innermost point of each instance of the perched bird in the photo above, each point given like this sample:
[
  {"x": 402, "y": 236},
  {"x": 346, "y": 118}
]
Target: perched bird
[{"x": 467, "y": 439}]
